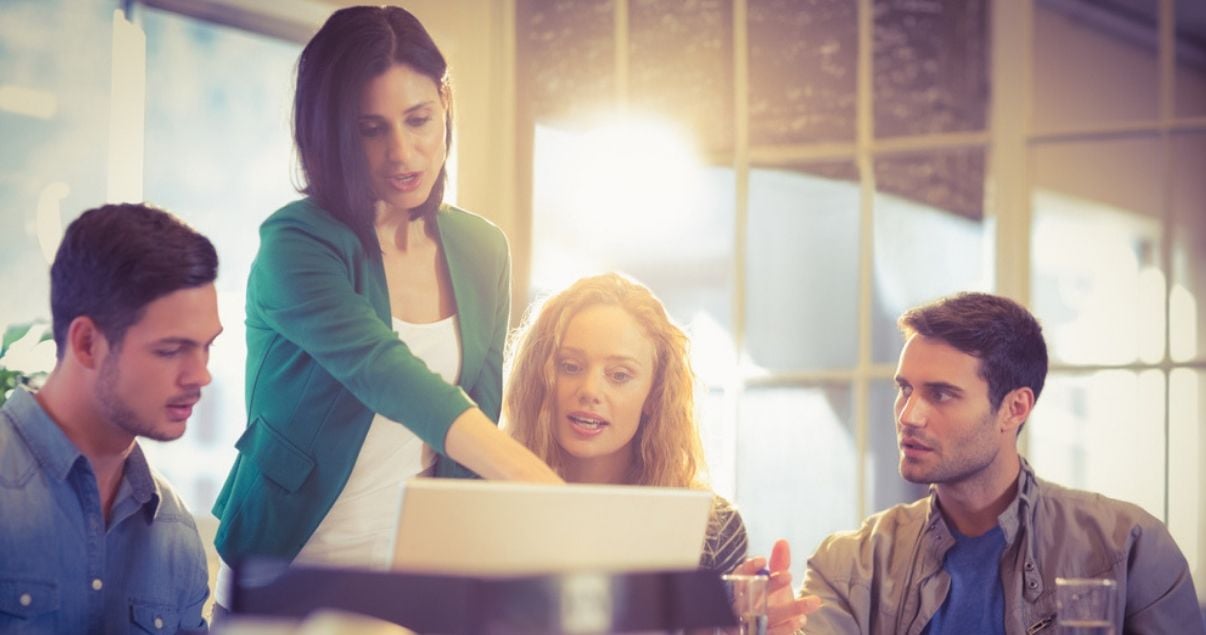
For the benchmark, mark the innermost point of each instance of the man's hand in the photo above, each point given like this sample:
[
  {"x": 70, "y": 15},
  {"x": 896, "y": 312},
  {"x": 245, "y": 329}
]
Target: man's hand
[{"x": 786, "y": 613}]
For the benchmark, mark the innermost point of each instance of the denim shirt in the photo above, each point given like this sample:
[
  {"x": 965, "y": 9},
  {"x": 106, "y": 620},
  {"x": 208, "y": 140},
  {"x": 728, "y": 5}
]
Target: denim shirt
[{"x": 61, "y": 569}]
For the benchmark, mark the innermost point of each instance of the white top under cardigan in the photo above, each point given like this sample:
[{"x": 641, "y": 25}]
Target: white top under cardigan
[{"x": 359, "y": 528}]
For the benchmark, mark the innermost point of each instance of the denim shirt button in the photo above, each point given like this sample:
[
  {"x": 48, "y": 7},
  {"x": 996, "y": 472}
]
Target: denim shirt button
[
  {"x": 25, "y": 599},
  {"x": 1032, "y": 584},
  {"x": 158, "y": 623},
  {"x": 1029, "y": 566},
  {"x": 97, "y": 585}
]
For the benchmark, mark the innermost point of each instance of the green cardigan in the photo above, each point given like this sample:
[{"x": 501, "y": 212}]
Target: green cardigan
[{"x": 322, "y": 358}]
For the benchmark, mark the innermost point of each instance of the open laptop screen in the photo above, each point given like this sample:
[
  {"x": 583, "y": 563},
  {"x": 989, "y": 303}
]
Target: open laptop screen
[{"x": 482, "y": 528}]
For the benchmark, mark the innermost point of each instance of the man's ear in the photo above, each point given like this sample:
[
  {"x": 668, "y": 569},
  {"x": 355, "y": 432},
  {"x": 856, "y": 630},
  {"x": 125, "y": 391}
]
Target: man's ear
[
  {"x": 1015, "y": 409},
  {"x": 86, "y": 343}
]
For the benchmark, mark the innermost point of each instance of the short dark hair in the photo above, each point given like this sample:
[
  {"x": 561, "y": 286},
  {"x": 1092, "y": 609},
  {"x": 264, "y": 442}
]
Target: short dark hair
[
  {"x": 355, "y": 45},
  {"x": 1001, "y": 333},
  {"x": 114, "y": 260}
]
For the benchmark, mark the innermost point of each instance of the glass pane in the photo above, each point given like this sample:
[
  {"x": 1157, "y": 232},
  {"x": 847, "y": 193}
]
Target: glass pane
[
  {"x": 55, "y": 58},
  {"x": 885, "y": 485},
  {"x": 670, "y": 225},
  {"x": 565, "y": 57},
  {"x": 200, "y": 115},
  {"x": 680, "y": 64},
  {"x": 802, "y": 70},
  {"x": 1187, "y": 296},
  {"x": 930, "y": 236},
  {"x": 1190, "y": 83},
  {"x": 1104, "y": 432},
  {"x": 1094, "y": 62},
  {"x": 1096, "y": 282},
  {"x": 1186, "y": 470},
  {"x": 930, "y": 66},
  {"x": 714, "y": 416},
  {"x": 787, "y": 437},
  {"x": 797, "y": 219}
]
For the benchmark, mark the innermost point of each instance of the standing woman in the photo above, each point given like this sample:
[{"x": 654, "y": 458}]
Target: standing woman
[{"x": 376, "y": 315}]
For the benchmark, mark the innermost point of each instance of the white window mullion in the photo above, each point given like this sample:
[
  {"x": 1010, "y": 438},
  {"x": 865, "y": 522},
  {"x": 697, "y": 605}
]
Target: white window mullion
[
  {"x": 741, "y": 168},
  {"x": 127, "y": 111},
  {"x": 865, "y": 138},
  {"x": 1008, "y": 201}
]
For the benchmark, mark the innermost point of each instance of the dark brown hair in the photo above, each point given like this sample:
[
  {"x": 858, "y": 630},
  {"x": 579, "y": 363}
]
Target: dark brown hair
[
  {"x": 114, "y": 260},
  {"x": 355, "y": 45},
  {"x": 999, "y": 332}
]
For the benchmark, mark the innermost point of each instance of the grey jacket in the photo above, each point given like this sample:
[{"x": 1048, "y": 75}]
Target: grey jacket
[{"x": 888, "y": 576}]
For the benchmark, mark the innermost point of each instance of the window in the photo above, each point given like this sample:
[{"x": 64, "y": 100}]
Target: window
[
  {"x": 219, "y": 154},
  {"x": 212, "y": 147},
  {"x": 54, "y": 118},
  {"x": 785, "y": 226},
  {"x": 1118, "y": 253}
]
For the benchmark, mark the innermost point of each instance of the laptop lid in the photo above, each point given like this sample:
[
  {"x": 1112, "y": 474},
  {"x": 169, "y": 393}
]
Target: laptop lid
[{"x": 482, "y": 528}]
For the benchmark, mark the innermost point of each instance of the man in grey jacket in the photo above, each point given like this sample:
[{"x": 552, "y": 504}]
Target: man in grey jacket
[{"x": 981, "y": 553}]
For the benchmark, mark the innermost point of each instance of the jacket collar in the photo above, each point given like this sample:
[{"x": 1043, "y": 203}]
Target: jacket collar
[
  {"x": 1017, "y": 521},
  {"x": 1016, "y": 517}
]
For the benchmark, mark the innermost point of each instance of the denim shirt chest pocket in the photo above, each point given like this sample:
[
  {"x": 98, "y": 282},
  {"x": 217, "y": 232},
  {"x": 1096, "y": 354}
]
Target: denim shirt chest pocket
[
  {"x": 161, "y": 590},
  {"x": 29, "y": 595},
  {"x": 23, "y": 601},
  {"x": 153, "y": 617},
  {"x": 152, "y": 595}
]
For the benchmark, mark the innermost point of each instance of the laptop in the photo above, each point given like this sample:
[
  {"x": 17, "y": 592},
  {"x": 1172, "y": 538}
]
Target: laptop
[{"x": 491, "y": 528}]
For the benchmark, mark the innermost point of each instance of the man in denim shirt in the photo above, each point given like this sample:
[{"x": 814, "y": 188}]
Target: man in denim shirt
[{"x": 93, "y": 541}]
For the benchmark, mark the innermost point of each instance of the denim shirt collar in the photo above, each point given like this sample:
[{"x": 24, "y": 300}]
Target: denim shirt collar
[
  {"x": 143, "y": 487},
  {"x": 45, "y": 439},
  {"x": 58, "y": 455}
]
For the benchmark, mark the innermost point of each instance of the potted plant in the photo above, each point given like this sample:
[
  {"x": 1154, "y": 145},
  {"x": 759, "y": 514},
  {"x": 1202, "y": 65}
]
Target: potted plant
[{"x": 19, "y": 356}]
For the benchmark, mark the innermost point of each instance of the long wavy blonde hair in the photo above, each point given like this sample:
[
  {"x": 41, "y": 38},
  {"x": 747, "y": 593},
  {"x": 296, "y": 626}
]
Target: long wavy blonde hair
[{"x": 666, "y": 448}]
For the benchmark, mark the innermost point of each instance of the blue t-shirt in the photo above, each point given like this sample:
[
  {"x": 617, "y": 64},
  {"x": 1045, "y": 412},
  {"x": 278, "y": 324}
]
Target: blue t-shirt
[{"x": 976, "y": 601}]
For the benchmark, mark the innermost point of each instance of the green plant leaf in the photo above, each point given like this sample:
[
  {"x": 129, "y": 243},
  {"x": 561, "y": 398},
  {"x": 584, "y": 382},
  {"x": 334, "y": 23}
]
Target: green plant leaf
[{"x": 13, "y": 333}]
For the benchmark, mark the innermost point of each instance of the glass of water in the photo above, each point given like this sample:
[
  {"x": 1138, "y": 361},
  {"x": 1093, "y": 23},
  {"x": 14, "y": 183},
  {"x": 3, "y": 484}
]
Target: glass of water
[
  {"x": 747, "y": 596},
  {"x": 1086, "y": 605}
]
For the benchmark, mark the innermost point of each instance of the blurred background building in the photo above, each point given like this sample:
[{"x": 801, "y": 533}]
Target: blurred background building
[{"x": 788, "y": 175}]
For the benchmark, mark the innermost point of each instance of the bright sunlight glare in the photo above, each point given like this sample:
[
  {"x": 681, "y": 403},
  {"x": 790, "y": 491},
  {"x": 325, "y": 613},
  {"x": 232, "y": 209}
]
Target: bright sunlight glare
[{"x": 627, "y": 184}]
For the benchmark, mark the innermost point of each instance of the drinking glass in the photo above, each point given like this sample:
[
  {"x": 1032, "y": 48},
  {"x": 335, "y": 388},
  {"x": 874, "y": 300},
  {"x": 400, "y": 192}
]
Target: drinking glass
[
  {"x": 747, "y": 596},
  {"x": 1085, "y": 605}
]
